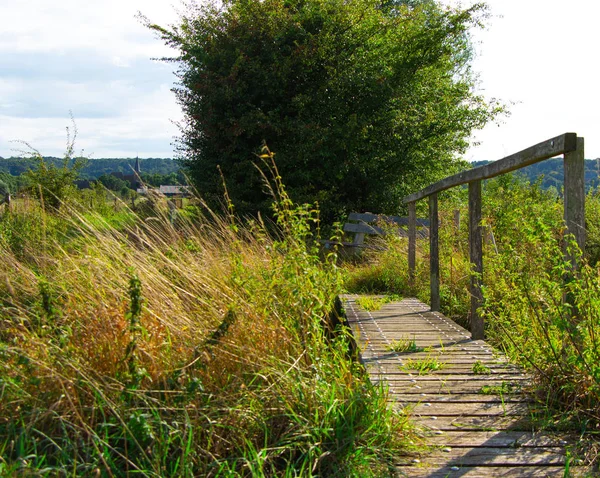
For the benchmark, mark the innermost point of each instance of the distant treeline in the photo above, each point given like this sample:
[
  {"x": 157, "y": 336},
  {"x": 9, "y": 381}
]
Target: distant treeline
[
  {"x": 551, "y": 173},
  {"x": 95, "y": 167}
]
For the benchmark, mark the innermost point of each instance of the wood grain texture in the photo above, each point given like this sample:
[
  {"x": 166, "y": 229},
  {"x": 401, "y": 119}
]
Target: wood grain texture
[
  {"x": 472, "y": 423},
  {"x": 434, "y": 253},
  {"x": 574, "y": 194},
  {"x": 476, "y": 258}
]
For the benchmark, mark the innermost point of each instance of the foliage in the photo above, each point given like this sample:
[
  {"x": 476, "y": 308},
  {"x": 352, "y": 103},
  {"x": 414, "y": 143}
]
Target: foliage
[
  {"x": 93, "y": 168},
  {"x": 404, "y": 345},
  {"x": 179, "y": 348},
  {"x": 4, "y": 189},
  {"x": 14, "y": 183},
  {"x": 363, "y": 101},
  {"x": 479, "y": 368},
  {"x": 112, "y": 182},
  {"x": 375, "y": 303},
  {"x": 424, "y": 365},
  {"x": 52, "y": 185}
]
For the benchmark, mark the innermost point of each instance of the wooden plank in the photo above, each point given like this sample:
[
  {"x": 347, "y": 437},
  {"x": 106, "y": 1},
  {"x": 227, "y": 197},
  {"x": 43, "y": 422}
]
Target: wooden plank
[
  {"x": 434, "y": 253},
  {"x": 452, "y": 471},
  {"x": 476, "y": 258},
  {"x": 362, "y": 228},
  {"x": 455, "y": 397},
  {"x": 495, "y": 456},
  {"x": 445, "y": 409},
  {"x": 477, "y": 424},
  {"x": 496, "y": 439},
  {"x": 574, "y": 200},
  {"x": 564, "y": 143},
  {"x": 412, "y": 243},
  {"x": 465, "y": 386}
]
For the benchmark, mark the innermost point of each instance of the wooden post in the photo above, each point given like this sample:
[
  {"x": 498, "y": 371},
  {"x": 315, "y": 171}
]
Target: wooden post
[
  {"x": 574, "y": 163},
  {"x": 476, "y": 257},
  {"x": 434, "y": 253},
  {"x": 412, "y": 243}
]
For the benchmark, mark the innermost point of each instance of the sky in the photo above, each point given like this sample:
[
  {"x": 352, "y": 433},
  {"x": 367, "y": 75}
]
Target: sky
[{"x": 93, "y": 59}]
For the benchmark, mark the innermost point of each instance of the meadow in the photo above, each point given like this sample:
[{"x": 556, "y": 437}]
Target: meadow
[
  {"x": 139, "y": 343},
  {"x": 136, "y": 341}
]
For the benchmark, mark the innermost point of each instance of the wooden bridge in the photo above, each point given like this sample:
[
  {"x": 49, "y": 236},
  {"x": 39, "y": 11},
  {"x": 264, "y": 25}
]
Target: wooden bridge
[{"x": 472, "y": 404}]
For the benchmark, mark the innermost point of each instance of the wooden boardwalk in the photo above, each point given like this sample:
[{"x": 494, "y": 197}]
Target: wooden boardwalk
[{"x": 472, "y": 409}]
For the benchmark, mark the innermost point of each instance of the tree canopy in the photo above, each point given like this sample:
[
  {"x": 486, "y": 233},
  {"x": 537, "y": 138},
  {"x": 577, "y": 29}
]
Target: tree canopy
[{"x": 363, "y": 101}]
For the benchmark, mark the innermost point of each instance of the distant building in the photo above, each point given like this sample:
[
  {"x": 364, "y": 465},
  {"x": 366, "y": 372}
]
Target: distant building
[{"x": 171, "y": 191}]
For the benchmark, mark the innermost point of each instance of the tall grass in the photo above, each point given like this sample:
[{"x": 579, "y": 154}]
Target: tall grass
[{"x": 179, "y": 348}]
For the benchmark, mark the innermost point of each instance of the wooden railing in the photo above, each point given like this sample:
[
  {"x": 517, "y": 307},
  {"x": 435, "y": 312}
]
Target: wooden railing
[{"x": 568, "y": 145}]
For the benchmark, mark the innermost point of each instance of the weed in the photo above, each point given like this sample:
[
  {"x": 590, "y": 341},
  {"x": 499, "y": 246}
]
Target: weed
[
  {"x": 423, "y": 366},
  {"x": 479, "y": 368},
  {"x": 404, "y": 345},
  {"x": 376, "y": 303},
  {"x": 504, "y": 388}
]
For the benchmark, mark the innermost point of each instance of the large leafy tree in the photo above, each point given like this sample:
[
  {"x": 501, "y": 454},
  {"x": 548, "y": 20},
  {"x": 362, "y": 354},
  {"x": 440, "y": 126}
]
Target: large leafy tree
[{"x": 362, "y": 100}]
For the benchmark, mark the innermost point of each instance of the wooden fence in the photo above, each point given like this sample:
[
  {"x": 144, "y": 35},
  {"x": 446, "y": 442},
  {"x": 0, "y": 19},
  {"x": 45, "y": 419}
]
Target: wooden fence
[{"x": 568, "y": 145}]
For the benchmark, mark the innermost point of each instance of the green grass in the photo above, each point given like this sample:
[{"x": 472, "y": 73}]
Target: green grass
[
  {"x": 404, "y": 345},
  {"x": 423, "y": 366},
  {"x": 479, "y": 368},
  {"x": 504, "y": 388},
  {"x": 376, "y": 303}
]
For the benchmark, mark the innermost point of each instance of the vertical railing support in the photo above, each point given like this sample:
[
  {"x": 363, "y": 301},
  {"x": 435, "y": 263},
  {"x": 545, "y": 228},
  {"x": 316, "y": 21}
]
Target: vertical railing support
[
  {"x": 476, "y": 257},
  {"x": 412, "y": 243},
  {"x": 574, "y": 204},
  {"x": 574, "y": 165},
  {"x": 434, "y": 253}
]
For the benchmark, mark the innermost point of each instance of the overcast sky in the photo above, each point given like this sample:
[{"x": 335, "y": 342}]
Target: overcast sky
[{"x": 93, "y": 58}]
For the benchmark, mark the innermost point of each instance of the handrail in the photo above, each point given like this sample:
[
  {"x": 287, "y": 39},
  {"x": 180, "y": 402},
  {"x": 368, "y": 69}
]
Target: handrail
[
  {"x": 568, "y": 144},
  {"x": 565, "y": 143}
]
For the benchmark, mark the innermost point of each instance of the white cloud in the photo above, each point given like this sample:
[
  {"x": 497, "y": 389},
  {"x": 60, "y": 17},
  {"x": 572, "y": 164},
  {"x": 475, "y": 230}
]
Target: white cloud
[{"x": 92, "y": 58}]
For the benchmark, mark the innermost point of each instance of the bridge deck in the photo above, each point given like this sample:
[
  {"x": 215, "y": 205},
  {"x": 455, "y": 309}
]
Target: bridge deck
[{"x": 472, "y": 409}]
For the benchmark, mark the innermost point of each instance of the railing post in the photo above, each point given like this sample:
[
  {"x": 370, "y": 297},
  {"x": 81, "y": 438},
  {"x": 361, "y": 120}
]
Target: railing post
[
  {"x": 412, "y": 243},
  {"x": 434, "y": 253},
  {"x": 476, "y": 257},
  {"x": 574, "y": 166}
]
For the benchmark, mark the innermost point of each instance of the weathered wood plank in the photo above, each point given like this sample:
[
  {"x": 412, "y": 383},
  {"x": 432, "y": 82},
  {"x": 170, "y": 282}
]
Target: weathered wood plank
[
  {"x": 476, "y": 258},
  {"x": 495, "y": 456},
  {"x": 564, "y": 143},
  {"x": 455, "y": 398},
  {"x": 445, "y": 409},
  {"x": 477, "y": 424},
  {"x": 362, "y": 228},
  {"x": 497, "y": 439},
  {"x": 464, "y": 386},
  {"x": 452, "y": 471},
  {"x": 434, "y": 253},
  {"x": 574, "y": 199}
]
